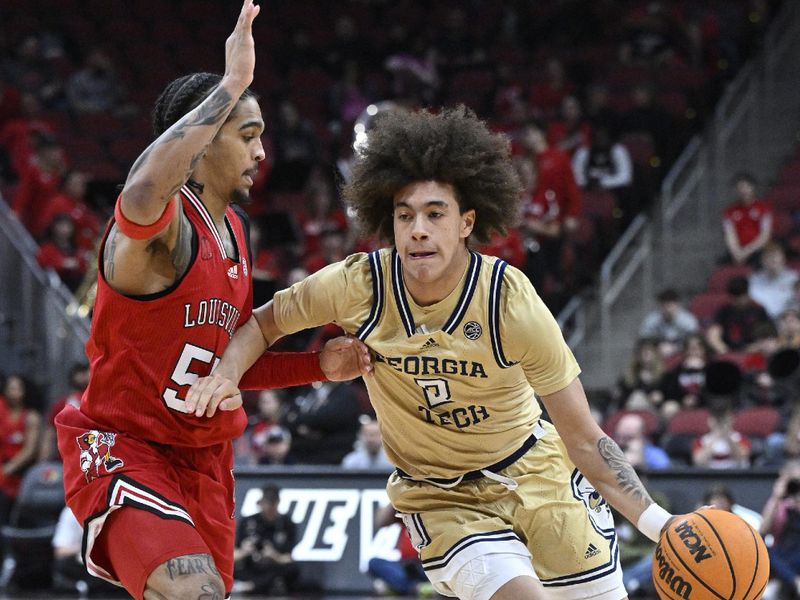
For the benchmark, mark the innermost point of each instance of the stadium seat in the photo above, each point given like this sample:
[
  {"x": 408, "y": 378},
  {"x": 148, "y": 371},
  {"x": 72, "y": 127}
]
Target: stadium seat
[
  {"x": 651, "y": 423},
  {"x": 758, "y": 421},
  {"x": 705, "y": 305},
  {"x": 693, "y": 421},
  {"x": 32, "y": 524},
  {"x": 719, "y": 279}
]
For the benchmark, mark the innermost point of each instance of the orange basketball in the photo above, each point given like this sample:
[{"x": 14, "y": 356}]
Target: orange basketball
[{"x": 710, "y": 554}]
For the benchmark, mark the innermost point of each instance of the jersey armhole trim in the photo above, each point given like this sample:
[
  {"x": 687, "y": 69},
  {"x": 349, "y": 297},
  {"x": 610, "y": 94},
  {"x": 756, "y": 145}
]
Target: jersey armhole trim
[
  {"x": 495, "y": 287},
  {"x": 377, "y": 296}
]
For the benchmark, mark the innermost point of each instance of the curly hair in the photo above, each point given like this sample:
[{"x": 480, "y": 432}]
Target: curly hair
[
  {"x": 184, "y": 94},
  {"x": 453, "y": 147}
]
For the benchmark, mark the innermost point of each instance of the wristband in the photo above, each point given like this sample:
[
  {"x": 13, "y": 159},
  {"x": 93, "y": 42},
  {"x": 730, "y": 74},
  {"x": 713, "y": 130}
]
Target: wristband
[
  {"x": 142, "y": 232},
  {"x": 283, "y": 369},
  {"x": 652, "y": 521}
]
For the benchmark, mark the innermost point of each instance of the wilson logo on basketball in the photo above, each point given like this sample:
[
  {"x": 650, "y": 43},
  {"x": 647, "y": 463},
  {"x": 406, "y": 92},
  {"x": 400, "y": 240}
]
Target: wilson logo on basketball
[
  {"x": 693, "y": 542},
  {"x": 667, "y": 574}
]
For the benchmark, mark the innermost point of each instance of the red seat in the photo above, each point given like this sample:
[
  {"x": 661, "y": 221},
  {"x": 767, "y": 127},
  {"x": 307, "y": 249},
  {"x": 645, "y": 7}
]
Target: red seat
[
  {"x": 705, "y": 305},
  {"x": 757, "y": 421},
  {"x": 693, "y": 421},
  {"x": 651, "y": 424},
  {"x": 719, "y": 279}
]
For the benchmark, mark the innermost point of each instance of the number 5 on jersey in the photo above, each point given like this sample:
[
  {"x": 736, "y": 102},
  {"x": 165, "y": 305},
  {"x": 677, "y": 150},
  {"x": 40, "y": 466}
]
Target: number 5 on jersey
[{"x": 182, "y": 375}]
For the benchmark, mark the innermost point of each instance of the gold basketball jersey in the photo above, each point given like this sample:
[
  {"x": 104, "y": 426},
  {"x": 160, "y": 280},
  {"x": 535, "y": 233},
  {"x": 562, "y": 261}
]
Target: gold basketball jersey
[{"x": 453, "y": 383}]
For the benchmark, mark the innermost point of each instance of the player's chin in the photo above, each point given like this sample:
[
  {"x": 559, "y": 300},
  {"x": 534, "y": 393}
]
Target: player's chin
[{"x": 241, "y": 195}]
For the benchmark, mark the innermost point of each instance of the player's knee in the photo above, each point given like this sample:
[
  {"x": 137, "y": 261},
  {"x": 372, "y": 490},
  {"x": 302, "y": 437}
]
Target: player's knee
[
  {"x": 500, "y": 576},
  {"x": 193, "y": 576}
]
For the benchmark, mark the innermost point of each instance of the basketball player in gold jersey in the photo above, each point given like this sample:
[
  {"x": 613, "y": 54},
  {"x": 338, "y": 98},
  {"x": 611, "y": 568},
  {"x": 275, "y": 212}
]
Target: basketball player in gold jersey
[{"x": 498, "y": 501}]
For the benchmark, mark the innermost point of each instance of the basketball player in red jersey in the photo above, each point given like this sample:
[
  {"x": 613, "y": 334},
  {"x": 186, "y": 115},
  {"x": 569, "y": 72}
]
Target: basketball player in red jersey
[{"x": 151, "y": 481}]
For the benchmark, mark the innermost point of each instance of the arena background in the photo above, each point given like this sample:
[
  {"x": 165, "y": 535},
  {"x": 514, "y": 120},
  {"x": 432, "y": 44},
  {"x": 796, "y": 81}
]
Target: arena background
[{"x": 723, "y": 74}]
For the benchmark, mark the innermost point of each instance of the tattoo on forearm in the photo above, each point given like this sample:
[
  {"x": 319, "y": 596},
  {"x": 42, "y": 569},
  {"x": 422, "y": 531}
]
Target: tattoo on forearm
[
  {"x": 210, "y": 112},
  {"x": 191, "y": 564},
  {"x": 108, "y": 254},
  {"x": 628, "y": 480}
]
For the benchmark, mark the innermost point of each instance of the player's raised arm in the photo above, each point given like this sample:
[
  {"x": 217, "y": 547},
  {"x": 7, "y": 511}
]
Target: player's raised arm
[{"x": 167, "y": 163}]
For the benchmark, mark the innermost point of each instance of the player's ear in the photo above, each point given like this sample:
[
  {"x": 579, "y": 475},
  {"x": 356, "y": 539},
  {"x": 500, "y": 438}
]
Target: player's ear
[{"x": 467, "y": 222}]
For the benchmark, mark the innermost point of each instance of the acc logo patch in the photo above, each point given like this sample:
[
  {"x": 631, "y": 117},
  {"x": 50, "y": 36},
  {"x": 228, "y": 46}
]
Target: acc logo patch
[
  {"x": 472, "y": 330},
  {"x": 95, "y": 449}
]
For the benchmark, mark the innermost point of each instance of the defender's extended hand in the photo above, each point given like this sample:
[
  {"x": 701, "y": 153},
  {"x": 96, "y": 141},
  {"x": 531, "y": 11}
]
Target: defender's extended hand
[
  {"x": 212, "y": 392},
  {"x": 345, "y": 358}
]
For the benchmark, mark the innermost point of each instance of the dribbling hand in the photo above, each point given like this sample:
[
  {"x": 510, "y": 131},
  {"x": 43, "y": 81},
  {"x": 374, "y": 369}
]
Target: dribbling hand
[{"x": 240, "y": 52}]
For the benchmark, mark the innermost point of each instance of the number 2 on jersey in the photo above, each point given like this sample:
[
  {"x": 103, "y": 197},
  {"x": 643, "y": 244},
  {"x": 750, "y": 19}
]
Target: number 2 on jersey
[{"x": 181, "y": 375}]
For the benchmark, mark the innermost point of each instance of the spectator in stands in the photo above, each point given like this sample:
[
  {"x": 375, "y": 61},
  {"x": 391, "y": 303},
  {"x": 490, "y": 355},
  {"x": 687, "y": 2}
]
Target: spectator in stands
[
  {"x": 39, "y": 182},
  {"x": 546, "y": 96},
  {"x": 739, "y": 323},
  {"x": 509, "y": 247},
  {"x": 60, "y": 252},
  {"x": 324, "y": 213},
  {"x": 368, "y": 452},
  {"x": 20, "y": 427},
  {"x": 95, "y": 88},
  {"x": 721, "y": 447},
  {"x": 71, "y": 200},
  {"x": 69, "y": 572},
  {"x": 270, "y": 406},
  {"x": 639, "y": 387},
  {"x": 719, "y": 496},
  {"x": 634, "y": 443},
  {"x": 645, "y": 116},
  {"x": 296, "y": 150},
  {"x": 781, "y": 519},
  {"x": 606, "y": 164},
  {"x": 747, "y": 222},
  {"x": 277, "y": 447},
  {"x": 670, "y": 324},
  {"x": 268, "y": 265},
  {"x": 684, "y": 386},
  {"x": 772, "y": 286},
  {"x": 788, "y": 329},
  {"x": 571, "y": 131},
  {"x": 78, "y": 380},
  {"x": 332, "y": 248},
  {"x": 599, "y": 111},
  {"x": 404, "y": 577},
  {"x": 263, "y": 552},
  {"x": 323, "y": 421}
]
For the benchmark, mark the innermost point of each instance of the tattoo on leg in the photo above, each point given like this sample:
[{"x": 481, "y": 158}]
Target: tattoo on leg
[
  {"x": 191, "y": 564},
  {"x": 628, "y": 480},
  {"x": 209, "y": 593}
]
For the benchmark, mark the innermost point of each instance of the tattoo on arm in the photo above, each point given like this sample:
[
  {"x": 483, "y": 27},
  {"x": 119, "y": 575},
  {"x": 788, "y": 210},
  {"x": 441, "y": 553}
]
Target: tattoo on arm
[
  {"x": 626, "y": 477},
  {"x": 108, "y": 254}
]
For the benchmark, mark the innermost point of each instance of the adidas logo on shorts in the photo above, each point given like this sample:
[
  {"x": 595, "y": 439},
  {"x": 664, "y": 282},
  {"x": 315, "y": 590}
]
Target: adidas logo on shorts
[
  {"x": 233, "y": 272},
  {"x": 431, "y": 343},
  {"x": 591, "y": 551}
]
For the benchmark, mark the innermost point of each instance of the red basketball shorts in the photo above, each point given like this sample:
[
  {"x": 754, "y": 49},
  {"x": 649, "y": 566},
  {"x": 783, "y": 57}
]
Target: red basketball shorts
[{"x": 190, "y": 490}]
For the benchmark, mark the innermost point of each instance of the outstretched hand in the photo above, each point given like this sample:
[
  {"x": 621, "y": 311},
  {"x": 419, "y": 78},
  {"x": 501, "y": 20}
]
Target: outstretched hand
[
  {"x": 210, "y": 393},
  {"x": 240, "y": 51},
  {"x": 345, "y": 358}
]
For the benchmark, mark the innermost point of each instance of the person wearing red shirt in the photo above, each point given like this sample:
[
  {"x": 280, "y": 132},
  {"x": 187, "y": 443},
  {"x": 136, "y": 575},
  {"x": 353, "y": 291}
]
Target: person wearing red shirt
[
  {"x": 39, "y": 182},
  {"x": 60, "y": 252},
  {"x": 78, "y": 379},
  {"x": 149, "y": 476},
  {"x": 747, "y": 222},
  {"x": 70, "y": 200}
]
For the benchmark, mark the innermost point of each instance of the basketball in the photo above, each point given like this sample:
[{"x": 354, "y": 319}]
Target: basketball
[{"x": 710, "y": 553}]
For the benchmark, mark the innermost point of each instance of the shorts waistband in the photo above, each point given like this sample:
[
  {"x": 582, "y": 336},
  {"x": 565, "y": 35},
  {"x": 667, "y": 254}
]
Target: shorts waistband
[{"x": 538, "y": 433}]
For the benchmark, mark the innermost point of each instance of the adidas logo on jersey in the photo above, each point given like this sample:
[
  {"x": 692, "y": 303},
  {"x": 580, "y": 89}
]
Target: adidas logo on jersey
[
  {"x": 591, "y": 551},
  {"x": 431, "y": 343},
  {"x": 233, "y": 272}
]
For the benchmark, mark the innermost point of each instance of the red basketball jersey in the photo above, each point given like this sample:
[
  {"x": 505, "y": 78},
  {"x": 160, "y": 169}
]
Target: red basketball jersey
[{"x": 145, "y": 351}]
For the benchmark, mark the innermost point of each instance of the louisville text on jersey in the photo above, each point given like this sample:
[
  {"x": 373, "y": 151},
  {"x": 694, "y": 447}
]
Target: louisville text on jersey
[{"x": 213, "y": 311}]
